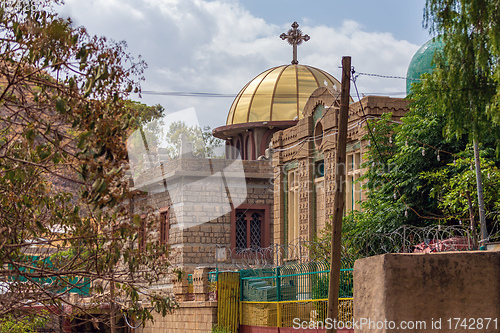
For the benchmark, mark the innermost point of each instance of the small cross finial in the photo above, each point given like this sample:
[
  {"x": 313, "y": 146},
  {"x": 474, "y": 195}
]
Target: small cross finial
[{"x": 294, "y": 37}]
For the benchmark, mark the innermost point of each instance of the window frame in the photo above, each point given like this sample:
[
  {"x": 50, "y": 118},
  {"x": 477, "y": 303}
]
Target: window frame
[
  {"x": 164, "y": 232},
  {"x": 293, "y": 202},
  {"x": 264, "y": 227},
  {"x": 142, "y": 234}
]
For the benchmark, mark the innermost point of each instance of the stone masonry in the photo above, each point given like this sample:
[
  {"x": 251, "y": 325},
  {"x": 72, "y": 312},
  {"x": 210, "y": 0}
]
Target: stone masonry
[{"x": 313, "y": 140}]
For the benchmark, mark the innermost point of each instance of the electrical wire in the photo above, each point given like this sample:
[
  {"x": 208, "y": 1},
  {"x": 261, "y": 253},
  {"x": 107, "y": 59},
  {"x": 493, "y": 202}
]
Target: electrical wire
[
  {"x": 331, "y": 133},
  {"x": 388, "y": 76}
]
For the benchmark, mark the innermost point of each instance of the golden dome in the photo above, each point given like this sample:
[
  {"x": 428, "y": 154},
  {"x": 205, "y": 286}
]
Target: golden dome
[{"x": 278, "y": 94}]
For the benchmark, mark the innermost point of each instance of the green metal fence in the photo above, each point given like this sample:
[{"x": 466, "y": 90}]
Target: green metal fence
[
  {"x": 55, "y": 284},
  {"x": 274, "y": 297},
  {"x": 293, "y": 282}
]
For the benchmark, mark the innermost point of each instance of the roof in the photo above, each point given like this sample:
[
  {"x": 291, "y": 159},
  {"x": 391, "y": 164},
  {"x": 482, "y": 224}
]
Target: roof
[
  {"x": 422, "y": 61},
  {"x": 278, "y": 94}
]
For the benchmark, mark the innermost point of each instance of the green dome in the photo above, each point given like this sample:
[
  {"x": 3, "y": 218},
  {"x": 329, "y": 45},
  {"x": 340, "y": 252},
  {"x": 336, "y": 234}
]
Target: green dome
[{"x": 422, "y": 61}]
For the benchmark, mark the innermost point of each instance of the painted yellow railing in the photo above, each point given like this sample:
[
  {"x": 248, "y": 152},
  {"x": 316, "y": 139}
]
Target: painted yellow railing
[{"x": 283, "y": 314}]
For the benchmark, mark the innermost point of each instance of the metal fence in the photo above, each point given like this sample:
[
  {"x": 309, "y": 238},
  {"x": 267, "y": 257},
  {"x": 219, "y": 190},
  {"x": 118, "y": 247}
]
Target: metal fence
[
  {"x": 293, "y": 282},
  {"x": 274, "y": 297},
  {"x": 283, "y": 314}
]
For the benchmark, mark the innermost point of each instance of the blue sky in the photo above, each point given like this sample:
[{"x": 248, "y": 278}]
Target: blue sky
[
  {"x": 218, "y": 46},
  {"x": 403, "y": 18}
]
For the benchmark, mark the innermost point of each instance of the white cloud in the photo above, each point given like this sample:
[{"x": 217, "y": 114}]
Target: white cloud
[{"x": 218, "y": 46}]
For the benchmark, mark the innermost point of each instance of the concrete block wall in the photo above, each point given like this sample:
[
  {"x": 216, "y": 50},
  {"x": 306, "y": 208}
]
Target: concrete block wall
[
  {"x": 428, "y": 290},
  {"x": 190, "y": 317}
]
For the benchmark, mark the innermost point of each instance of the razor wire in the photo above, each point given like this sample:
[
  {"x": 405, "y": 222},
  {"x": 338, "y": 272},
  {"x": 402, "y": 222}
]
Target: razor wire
[{"x": 404, "y": 239}]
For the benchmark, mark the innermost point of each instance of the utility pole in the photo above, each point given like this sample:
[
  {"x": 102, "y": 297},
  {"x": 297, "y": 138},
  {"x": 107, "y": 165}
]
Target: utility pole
[
  {"x": 480, "y": 197},
  {"x": 338, "y": 208},
  {"x": 472, "y": 220}
]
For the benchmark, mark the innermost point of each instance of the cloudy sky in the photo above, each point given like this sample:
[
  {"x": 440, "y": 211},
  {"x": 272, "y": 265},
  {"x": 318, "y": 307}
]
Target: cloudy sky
[{"x": 217, "y": 46}]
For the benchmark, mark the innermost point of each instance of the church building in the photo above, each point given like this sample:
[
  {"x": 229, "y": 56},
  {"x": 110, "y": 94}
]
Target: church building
[
  {"x": 282, "y": 126},
  {"x": 293, "y": 109}
]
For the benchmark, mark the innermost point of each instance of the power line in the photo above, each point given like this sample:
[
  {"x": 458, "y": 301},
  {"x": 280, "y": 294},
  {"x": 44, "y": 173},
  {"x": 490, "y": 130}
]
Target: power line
[
  {"x": 186, "y": 94},
  {"x": 222, "y": 95},
  {"x": 388, "y": 76}
]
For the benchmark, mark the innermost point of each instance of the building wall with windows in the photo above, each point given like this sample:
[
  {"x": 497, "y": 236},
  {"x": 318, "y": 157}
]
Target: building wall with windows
[
  {"x": 304, "y": 163},
  {"x": 176, "y": 215}
]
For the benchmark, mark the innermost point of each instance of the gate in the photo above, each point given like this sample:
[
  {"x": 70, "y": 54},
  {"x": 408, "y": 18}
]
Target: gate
[
  {"x": 276, "y": 299},
  {"x": 228, "y": 297}
]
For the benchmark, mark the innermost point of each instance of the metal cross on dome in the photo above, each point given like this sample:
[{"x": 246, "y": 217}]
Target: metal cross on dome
[{"x": 294, "y": 37}]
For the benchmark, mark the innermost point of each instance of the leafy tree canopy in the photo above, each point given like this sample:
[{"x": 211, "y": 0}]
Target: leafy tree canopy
[
  {"x": 465, "y": 85},
  {"x": 414, "y": 176},
  {"x": 64, "y": 120}
]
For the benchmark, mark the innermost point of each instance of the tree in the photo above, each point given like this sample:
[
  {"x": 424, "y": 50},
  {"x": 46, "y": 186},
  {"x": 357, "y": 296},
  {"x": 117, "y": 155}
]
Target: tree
[
  {"x": 465, "y": 85},
  {"x": 159, "y": 135},
  {"x": 396, "y": 193},
  {"x": 396, "y": 187},
  {"x": 204, "y": 143},
  {"x": 451, "y": 185},
  {"x": 27, "y": 324},
  {"x": 64, "y": 120},
  {"x": 415, "y": 176}
]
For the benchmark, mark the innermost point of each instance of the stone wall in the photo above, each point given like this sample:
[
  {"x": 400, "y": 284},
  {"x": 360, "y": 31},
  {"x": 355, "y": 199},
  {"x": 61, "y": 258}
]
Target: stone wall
[
  {"x": 192, "y": 317},
  {"x": 428, "y": 291},
  {"x": 194, "y": 238},
  {"x": 197, "y": 312}
]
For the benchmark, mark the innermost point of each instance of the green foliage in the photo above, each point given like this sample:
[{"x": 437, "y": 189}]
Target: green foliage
[
  {"x": 320, "y": 249},
  {"x": 396, "y": 192},
  {"x": 64, "y": 120},
  {"x": 320, "y": 285},
  {"x": 464, "y": 87},
  {"x": 27, "y": 324},
  {"x": 204, "y": 143},
  {"x": 452, "y": 183},
  {"x": 411, "y": 177},
  {"x": 146, "y": 113},
  {"x": 219, "y": 329}
]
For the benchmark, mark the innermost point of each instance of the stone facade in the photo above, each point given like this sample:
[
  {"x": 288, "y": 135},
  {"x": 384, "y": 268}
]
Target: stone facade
[
  {"x": 192, "y": 317},
  {"x": 304, "y": 162},
  {"x": 179, "y": 188},
  {"x": 181, "y": 193}
]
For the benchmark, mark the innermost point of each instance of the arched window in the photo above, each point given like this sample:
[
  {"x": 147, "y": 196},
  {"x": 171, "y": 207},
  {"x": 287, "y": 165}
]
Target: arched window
[
  {"x": 238, "y": 148},
  {"x": 249, "y": 151},
  {"x": 250, "y": 229}
]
